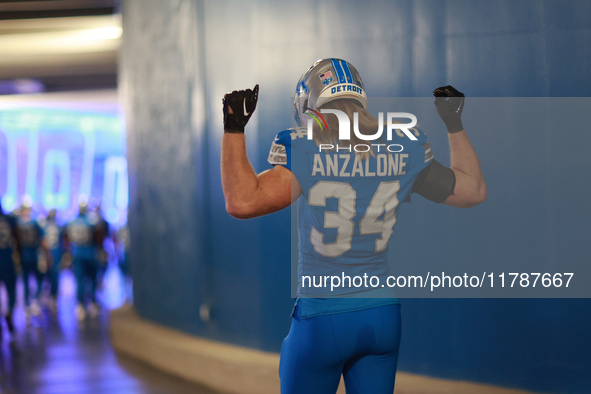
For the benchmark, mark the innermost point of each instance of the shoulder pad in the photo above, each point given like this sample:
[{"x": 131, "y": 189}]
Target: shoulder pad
[{"x": 278, "y": 155}]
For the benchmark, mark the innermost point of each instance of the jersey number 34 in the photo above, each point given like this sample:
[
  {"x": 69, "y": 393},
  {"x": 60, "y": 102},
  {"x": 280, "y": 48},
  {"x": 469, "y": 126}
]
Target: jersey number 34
[{"x": 379, "y": 218}]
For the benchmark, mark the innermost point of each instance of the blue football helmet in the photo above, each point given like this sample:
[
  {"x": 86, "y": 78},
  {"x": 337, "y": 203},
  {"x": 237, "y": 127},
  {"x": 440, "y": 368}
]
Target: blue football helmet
[{"x": 327, "y": 80}]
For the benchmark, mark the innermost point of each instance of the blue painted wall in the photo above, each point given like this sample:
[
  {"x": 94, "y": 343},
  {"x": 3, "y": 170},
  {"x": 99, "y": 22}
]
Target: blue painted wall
[{"x": 179, "y": 58}]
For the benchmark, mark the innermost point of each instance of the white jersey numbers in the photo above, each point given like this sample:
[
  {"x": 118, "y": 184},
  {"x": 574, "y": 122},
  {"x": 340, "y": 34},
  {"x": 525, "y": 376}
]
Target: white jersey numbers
[
  {"x": 379, "y": 218},
  {"x": 341, "y": 220},
  {"x": 385, "y": 200}
]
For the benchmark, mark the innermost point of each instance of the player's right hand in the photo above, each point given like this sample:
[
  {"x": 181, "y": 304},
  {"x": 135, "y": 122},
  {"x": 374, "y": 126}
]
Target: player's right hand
[
  {"x": 450, "y": 103},
  {"x": 238, "y": 108}
]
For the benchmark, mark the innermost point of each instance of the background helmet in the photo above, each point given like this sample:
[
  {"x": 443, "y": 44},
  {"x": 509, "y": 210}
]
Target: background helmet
[
  {"x": 82, "y": 204},
  {"x": 26, "y": 204},
  {"x": 327, "y": 80}
]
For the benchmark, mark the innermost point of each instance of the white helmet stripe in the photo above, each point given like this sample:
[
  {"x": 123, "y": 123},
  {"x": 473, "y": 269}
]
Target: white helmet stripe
[
  {"x": 347, "y": 70},
  {"x": 338, "y": 69}
]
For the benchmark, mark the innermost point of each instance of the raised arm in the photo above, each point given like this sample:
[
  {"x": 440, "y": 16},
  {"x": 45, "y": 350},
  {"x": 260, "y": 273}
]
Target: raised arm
[
  {"x": 470, "y": 188},
  {"x": 248, "y": 194}
]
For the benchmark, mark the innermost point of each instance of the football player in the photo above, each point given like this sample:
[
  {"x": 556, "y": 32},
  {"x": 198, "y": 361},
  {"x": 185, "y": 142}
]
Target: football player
[
  {"x": 101, "y": 233},
  {"x": 79, "y": 234},
  {"x": 32, "y": 245},
  {"x": 8, "y": 247},
  {"x": 348, "y": 199},
  {"x": 54, "y": 241}
]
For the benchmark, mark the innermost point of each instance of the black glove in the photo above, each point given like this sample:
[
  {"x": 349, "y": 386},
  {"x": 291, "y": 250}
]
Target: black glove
[
  {"x": 450, "y": 103},
  {"x": 243, "y": 104}
]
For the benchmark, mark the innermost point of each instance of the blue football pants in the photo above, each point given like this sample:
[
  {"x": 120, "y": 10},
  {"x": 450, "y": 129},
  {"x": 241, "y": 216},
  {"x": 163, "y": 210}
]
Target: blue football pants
[
  {"x": 86, "y": 271},
  {"x": 361, "y": 345},
  {"x": 29, "y": 268},
  {"x": 54, "y": 272}
]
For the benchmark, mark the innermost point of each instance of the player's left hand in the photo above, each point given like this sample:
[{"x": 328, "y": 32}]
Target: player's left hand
[
  {"x": 238, "y": 108},
  {"x": 450, "y": 103}
]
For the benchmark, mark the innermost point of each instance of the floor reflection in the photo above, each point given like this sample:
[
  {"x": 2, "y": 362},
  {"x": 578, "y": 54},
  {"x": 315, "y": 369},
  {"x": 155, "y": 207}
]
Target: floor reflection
[{"x": 56, "y": 353}]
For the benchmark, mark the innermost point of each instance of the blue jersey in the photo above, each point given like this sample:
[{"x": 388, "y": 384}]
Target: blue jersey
[
  {"x": 53, "y": 235},
  {"x": 80, "y": 232},
  {"x": 346, "y": 214},
  {"x": 30, "y": 235}
]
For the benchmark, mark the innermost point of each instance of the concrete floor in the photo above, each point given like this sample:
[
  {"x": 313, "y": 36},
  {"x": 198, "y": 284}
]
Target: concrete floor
[{"x": 55, "y": 353}]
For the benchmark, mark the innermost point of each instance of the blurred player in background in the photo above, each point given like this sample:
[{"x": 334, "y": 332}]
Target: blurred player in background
[
  {"x": 101, "y": 234},
  {"x": 8, "y": 248},
  {"x": 32, "y": 247},
  {"x": 54, "y": 241},
  {"x": 81, "y": 240},
  {"x": 344, "y": 220}
]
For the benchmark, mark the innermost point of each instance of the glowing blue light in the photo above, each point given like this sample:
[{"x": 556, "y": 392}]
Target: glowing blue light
[
  {"x": 9, "y": 200},
  {"x": 57, "y": 162},
  {"x": 115, "y": 187},
  {"x": 32, "y": 163},
  {"x": 54, "y": 155}
]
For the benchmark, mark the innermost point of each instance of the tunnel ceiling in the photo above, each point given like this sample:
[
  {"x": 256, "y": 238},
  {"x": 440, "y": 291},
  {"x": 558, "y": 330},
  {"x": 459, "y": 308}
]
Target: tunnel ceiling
[{"x": 58, "y": 45}]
